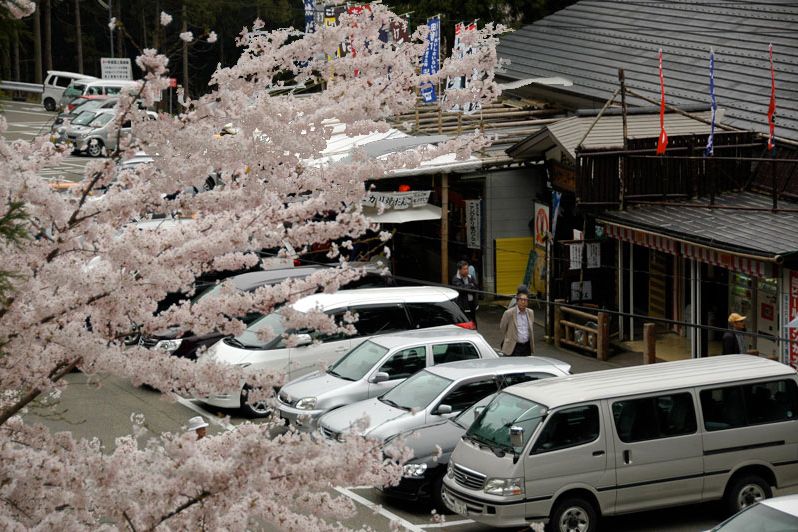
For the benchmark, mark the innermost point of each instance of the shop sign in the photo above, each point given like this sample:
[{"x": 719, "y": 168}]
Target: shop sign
[
  {"x": 541, "y": 223},
  {"x": 397, "y": 200},
  {"x": 562, "y": 177},
  {"x": 576, "y": 251},
  {"x": 792, "y": 313},
  {"x": 115, "y": 68},
  {"x": 594, "y": 255},
  {"x": 473, "y": 224}
]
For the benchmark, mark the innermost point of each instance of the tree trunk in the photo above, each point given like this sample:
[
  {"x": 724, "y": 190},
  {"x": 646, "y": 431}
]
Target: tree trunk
[
  {"x": 48, "y": 34},
  {"x": 144, "y": 30},
  {"x": 156, "y": 32},
  {"x": 37, "y": 45},
  {"x": 5, "y": 73},
  {"x": 221, "y": 47},
  {"x": 78, "y": 36},
  {"x": 185, "y": 54},
  {"x": 15, "y": 52},
  {"x": 120, "y": 36}
]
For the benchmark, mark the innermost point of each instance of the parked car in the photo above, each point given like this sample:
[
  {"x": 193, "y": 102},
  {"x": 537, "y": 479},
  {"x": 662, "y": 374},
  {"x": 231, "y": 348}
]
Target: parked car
[
  {"x": 55, "y": 84},
  {"x": 99, "y": 134},
  {"x": 186, "y": 344},
  {"x": 779, "y": 514},
  {"x": 434, "y": 394},
  {"x": 83, "y": 103},
  {"x": 73, "y": 92},
  {"x": 374, "y": 367},
  {"x": 625, "y": 440},
  {"x": 109, "y": 87},
  {"x": 379, "y": 311}
]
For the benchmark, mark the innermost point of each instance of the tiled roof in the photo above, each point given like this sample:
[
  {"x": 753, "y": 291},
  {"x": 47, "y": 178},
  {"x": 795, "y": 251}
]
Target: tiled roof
[{"x": 588, "y": 41}]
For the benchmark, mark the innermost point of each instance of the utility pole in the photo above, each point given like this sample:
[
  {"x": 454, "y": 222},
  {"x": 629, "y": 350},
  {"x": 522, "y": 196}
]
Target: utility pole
[
  {"x": 37, "y": 45},
  {"x": 78, "y": 36}
]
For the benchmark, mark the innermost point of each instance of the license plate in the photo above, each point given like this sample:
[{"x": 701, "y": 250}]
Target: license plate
[{"x": 458, "y": 507}]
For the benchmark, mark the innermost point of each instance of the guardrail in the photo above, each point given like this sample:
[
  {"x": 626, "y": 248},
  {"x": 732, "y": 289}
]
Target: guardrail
[{"x": 21, "y": 87}]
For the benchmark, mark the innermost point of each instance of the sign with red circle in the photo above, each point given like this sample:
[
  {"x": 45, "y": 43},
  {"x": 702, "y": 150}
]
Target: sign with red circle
[{"x": 541, "y": 223}]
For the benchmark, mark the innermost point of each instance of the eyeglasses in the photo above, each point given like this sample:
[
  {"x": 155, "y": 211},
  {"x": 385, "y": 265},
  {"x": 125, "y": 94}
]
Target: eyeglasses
[{"x": 522, "y": 299}]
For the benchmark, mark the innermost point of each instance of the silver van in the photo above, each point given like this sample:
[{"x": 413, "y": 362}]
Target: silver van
[{"x": 570, "y": 450}]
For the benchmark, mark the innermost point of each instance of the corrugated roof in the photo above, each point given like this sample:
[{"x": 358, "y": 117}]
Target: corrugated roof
[
  {"x": 608, "y": 132},
  {"x": 588, "y": 41},
  {"x": 759, "y": 232}
]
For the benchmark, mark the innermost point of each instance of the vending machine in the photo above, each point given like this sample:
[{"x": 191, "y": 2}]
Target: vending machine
[{"x": 767, "y": 317}]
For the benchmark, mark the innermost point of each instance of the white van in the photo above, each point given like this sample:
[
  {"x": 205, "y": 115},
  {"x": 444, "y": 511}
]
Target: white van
[
  {"x": 55, "y": 84},
  {"x": 108, "y": 87},
  {"x": 571, "y": 449}
]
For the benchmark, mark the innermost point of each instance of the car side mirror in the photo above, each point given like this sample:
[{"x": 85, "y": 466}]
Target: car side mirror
[
  {"x": 478, "y": 410},
  {"x": 517, "y": 436},
  {"x": 443, "y": 410},
  {"x": 380, "y": 376},
  {"x": 303, "y": 339}
]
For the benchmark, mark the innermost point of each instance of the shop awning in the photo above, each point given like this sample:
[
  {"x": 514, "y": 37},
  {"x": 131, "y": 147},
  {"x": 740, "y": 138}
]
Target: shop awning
[
  {"x": 398, "y": 216},
  {"x": 741, "y": 234}
]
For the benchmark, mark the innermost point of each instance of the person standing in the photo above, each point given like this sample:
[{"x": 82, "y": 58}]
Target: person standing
[
  {"x": 199, "y": 425},
  {"x": 466, "y": 286},
  {"x": 733, "y": 340},
  {"x": 517, "y": 326}
]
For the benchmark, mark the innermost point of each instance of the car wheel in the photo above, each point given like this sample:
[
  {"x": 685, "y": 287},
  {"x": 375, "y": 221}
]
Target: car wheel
[
  {"x": 437, "y": 493},
  {"x": 259, "y": 409},
  {"x": 745, "y": 491},
  {"x": 573, "y": 514},
  {"x": 49, "y": 104},
  {"x": 95, "y": 148}
]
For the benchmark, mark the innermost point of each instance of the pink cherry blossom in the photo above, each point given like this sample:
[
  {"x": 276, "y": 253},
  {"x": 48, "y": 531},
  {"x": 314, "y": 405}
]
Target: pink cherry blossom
[
  {"x": 212, "y": 37},
  {"x": 166, "y": 18},
  {"x": 186, "y": 36}
]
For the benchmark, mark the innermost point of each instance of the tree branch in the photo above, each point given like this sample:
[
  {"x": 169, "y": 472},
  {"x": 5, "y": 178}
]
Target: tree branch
[{"x": 54, "y": 376}]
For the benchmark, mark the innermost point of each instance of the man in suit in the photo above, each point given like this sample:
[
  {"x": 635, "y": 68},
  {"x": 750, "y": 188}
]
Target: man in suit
[{"x": 517, "y": 326}]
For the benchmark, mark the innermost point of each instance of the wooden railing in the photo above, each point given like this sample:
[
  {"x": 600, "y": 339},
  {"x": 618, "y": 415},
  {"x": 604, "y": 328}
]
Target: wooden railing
[{"x": 593, "y": 339}]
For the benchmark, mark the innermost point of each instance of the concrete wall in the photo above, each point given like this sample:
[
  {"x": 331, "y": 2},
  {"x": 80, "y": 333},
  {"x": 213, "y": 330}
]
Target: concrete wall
[{"x": 509, "y": 198}]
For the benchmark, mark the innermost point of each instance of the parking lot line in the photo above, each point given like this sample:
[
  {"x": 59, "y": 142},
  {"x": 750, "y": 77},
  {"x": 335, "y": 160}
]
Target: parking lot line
[
  {"x": 199, "y": 410},
  {"x": 379, "y": 509}
]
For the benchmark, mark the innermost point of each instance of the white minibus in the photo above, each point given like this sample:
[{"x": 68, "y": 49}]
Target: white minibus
[
  {"x": 55, "y": 84},
  {"x": 571, "y": 449}
]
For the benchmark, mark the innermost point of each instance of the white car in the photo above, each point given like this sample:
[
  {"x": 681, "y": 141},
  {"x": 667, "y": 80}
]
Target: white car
[
  {"x": 378, "y": 310},
  {"x": 374, "y": 367},
  {"x": 779, "y": 514}
]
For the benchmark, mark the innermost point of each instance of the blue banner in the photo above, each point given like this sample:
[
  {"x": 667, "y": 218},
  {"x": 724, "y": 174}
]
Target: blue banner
[
  {"x": 431, "y": 61},
  {"x": 711, "y": 140},
  {"x": 310, "y": 11}
]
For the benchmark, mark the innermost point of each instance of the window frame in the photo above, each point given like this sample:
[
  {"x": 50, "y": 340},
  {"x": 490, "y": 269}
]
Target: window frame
[
  {"x": 355, "y": 309},
  {"x": 398, "y": 352},
  {"x": 653, "y": 399},
  {"x": 534, "y": 450},
  {"x": 458, "y": 386},
  {"x": 744, "y": 395},
  {"x": 454, "y": 342}
]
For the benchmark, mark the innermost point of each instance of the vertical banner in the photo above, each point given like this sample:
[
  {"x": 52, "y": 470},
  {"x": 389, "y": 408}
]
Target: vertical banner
[
  {"x": 772, "y": 104},
  {"x": 792, "y": 313},
  {"x": 431, "y": 60},
  {"x": 400, "y": 34},
  {"x": 541, "y": 224},
  {"x": 331, "y": 14},
  {"x": 662, "y": 141},
  {"x": 310, "y": 20},
  {"x": 458, "y": 52},
  {"x": 473, "y": 224},
  {"x": 714, "y": 104}
]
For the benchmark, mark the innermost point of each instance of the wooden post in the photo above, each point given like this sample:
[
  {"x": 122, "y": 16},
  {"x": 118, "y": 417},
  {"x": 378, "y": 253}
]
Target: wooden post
[
  {"x": 603, "y": 339},
  {"x": 445, "y": 229},
  {"x": 557, "y": 317},
  {"x": 649, "y": 344}
]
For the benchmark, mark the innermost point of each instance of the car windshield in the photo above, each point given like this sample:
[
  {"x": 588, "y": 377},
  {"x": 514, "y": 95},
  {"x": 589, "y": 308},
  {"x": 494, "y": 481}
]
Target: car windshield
[
  {"x": 101, "y": 119},
  {"x": 417, "y": 392},
  {"x": 85, "y": 105},
  {"x": 761, "y": 518},
  {"x": 356, "y": 363},
  {"x": 84, "y": 118},
  {"x": 468, "y": 415},
  {"x": 249, "y": 339},
  {"x": 492, "y": 426},
  {"x": 75, "y": 89}
]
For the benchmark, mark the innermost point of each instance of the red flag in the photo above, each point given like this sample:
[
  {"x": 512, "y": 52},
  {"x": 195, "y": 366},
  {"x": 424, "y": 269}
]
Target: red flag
[
  {"x": 772, "y": 106},
  {"x": 662, "y": 142}
]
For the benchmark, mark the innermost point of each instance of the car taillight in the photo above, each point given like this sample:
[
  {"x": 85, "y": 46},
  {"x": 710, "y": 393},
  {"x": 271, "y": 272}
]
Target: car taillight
[
  {"x": 467, "y": 325},
  {"x": 297, "y": 262}
]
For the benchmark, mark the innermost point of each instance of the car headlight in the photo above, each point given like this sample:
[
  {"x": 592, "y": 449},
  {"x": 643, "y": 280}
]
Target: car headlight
[
  {"x": 505, "y": 486},
  {"x": 168, "y": 346},
  {"x": 450, "y": 469},
  {"x": 414, "y": 470},
  {"x": 306, "y": 403},
  {"x": 341, "y": 437}
]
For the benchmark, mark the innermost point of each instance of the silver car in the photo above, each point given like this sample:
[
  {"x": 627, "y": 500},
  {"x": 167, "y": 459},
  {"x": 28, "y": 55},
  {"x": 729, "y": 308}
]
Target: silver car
[
  {"x": 374, "y": 367},
  {"x": 99, "y": 134},
  {"x": 434, "y": 394}
]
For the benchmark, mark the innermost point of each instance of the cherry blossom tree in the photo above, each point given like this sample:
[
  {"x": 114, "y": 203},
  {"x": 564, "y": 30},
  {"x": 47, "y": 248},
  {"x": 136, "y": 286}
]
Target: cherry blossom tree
[{"x": 79, "y": 275}]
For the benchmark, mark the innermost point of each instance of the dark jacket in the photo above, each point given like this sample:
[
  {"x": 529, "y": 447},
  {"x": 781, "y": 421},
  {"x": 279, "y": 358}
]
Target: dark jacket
[
  {"x": 464, "y": 287},
  {"x": 730, "y": 344}
]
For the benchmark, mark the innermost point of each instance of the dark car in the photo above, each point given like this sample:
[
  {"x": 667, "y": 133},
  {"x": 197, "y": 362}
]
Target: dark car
[{"x": 187, "y": 344}]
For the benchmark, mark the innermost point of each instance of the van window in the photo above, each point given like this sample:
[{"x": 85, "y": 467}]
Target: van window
[
  {"x": 442, "y": 353},
  {"x": 749, "y": 404},
  {"x": 113, "y": 91},
  {"x": 468, "y": 394},
  {"x": 569, "y": 428},
  {"x": 380, "y": 319},
  {"x": 650, "y": 418},
  {"x": 94, "y": 91},
  {"x": 435, "y": 314},
  {"x": 62, "y": 81},
  {"x": 406, "y": 362}
]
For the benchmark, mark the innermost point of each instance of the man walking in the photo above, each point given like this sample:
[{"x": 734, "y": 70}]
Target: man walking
[
  {"x": 466, "y": 285},
  {"x": 517, "y": 325},
  {"x": 734, "y": 341}
]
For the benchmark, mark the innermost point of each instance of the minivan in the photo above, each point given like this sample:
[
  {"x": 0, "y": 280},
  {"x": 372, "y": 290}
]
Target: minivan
[
  {"x": 108, "y": 87},
  {"x": 73, "y": 92},
  {"x": 55, "y": 84},
  {"x": 378, "y": 311},
  {"x": 610, "y": 442}
]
